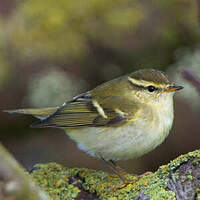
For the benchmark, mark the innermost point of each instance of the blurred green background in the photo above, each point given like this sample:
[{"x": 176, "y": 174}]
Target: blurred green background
[{"x": 53, "y": 50}]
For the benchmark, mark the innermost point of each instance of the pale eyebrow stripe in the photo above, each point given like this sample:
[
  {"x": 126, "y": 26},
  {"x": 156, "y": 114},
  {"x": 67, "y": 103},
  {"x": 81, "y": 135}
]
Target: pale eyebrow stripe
[{"x": 144, "y": 84}]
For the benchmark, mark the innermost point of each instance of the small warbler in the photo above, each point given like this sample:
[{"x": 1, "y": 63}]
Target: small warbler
[{"x": 118, "y": 120}]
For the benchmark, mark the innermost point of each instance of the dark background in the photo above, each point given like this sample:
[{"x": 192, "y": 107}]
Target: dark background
[{"x": 53, "y": 50}]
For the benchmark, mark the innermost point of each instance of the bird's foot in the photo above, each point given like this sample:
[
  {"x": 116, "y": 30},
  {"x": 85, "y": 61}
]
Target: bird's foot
[
  {"x": 145, "y": 174},
  {"x": 131, "y": 181},
  {"x": 125, "y": 183}
]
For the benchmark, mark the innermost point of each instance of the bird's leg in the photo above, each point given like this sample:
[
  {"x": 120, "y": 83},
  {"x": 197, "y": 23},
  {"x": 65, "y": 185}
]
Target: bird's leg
[
  {"x": 121, "y": 174},
  {"x": 118, "y": 168},
  {"x": 113, "y": 167}
]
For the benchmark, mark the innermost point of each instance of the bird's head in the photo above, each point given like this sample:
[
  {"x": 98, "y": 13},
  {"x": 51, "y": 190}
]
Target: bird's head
[{"x": 151, "y": 85}]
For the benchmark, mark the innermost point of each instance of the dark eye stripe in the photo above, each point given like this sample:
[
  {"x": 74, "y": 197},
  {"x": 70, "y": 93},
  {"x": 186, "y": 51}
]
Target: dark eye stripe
[
  {"x": 138, "y": 86},
  {"x": 145, "y": 88}
]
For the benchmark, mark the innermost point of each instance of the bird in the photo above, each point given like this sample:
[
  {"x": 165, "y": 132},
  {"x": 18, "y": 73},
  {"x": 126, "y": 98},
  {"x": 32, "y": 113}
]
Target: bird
[{"x": 121, "y": 119}]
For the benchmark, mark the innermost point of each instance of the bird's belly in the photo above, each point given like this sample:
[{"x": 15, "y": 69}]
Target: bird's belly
[{"x": 121, "y": 143}]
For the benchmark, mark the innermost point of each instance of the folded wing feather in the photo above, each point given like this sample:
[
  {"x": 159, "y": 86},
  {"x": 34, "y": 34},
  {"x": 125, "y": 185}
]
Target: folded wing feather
[{"x": 80, "y": 112}]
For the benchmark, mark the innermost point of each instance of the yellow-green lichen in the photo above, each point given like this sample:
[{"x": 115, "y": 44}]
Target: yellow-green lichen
[
  {"x": 198, "y": 194},
  {"x": 165, "y": 169},
  {"x": 54, "y": 180},
  {"x": 64, "y": 183}
]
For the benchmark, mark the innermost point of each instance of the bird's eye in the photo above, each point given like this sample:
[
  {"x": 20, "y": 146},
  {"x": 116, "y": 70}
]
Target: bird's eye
[{"x": 151, "y": 88}]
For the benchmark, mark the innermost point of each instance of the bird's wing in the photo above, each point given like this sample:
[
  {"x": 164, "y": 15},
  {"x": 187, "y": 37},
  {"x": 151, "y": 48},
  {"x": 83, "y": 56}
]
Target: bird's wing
[{"x": 84, "y": 111}]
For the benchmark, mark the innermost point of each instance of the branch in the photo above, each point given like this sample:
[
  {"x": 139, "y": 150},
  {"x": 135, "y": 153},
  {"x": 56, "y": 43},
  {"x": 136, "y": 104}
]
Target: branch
[
  {"x": 15, "y": 184},
  {"x": 189, "y": 76},
  {"x": 180, "y": 179}
]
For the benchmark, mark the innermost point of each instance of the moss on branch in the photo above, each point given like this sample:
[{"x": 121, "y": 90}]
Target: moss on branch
[{"x": 180, "y": 178}]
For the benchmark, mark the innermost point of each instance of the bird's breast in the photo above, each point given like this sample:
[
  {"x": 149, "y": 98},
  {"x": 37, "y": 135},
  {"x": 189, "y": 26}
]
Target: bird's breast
[{"x": 131, "y": 140}]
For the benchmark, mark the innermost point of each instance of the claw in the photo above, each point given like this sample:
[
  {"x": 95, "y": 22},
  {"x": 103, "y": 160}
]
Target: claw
[{"x": 125, "y": 183}]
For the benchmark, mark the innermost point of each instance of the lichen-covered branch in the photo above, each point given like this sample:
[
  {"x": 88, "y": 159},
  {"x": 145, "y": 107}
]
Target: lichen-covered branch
[
  {"x": 180, "y": 179},
  {"x": 15, "y": 183}
]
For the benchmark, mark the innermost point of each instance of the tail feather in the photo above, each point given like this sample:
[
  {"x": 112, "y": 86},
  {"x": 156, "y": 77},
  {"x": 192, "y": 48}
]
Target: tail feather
[{"x": 38, "y": 113}]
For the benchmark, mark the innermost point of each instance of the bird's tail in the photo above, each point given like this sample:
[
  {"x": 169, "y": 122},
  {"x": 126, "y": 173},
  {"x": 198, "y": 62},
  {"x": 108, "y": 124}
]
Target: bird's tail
[{"x": 38, "y": 113}]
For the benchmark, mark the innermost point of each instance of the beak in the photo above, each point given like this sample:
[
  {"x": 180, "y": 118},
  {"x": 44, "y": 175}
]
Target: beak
[{"x": 173, "y": 88}]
